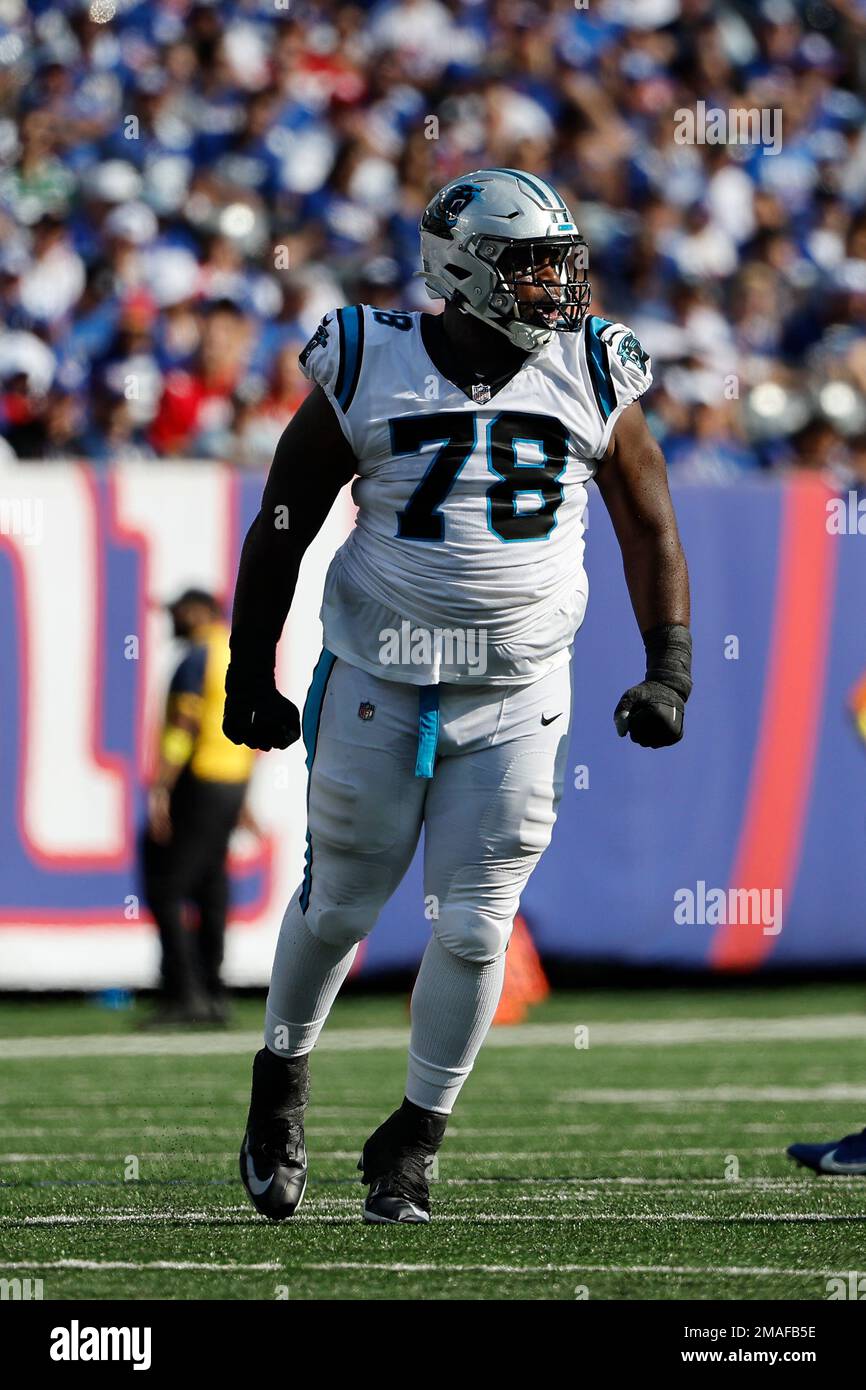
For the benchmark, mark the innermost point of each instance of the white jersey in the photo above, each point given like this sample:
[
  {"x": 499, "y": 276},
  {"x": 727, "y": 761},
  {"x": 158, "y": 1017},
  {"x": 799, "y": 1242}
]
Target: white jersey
[{"x": 466, "y": 560}]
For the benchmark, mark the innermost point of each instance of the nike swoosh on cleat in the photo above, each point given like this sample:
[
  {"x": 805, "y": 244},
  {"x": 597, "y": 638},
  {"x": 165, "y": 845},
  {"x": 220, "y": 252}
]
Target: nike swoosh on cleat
[
  {"x": 545, "y": 719},
  {"x": 828, "y": 1164},
  {"x": 256, "y": 1186},
  {"x": 421, "y": 1217}
]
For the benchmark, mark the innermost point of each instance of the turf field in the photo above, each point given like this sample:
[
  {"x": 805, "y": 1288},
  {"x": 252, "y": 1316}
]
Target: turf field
[{"x": 648, "y": 1165}]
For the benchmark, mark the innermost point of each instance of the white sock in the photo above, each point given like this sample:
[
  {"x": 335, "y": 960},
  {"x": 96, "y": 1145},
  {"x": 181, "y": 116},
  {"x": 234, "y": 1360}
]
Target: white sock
[
  {"x": 453, "y": 1004},
  {"x": 305, "y": 981}
]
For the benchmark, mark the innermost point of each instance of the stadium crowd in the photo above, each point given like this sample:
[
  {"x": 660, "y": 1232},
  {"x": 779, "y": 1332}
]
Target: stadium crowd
[{"x": 185, "y": 188}]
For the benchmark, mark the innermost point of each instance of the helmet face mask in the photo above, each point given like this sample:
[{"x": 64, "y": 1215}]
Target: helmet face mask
[
  {"x": 502, "y": 245},
  {"x": 543, "y": 283}
]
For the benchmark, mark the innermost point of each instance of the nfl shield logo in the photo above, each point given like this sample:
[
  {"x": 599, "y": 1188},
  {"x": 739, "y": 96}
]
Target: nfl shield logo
[
  {"x": 366, "y": 710},
  {"x": 480, "y": 393}
]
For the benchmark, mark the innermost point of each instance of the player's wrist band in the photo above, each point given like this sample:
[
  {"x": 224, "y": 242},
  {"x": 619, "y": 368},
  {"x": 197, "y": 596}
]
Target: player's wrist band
[
  {"x": 669, "y": 657},
  {"x": 253, "y": 655}
]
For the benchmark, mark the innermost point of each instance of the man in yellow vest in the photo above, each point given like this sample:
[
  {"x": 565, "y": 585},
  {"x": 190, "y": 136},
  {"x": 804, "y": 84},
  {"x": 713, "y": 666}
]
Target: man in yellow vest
[{"x": 195, "y": 801}]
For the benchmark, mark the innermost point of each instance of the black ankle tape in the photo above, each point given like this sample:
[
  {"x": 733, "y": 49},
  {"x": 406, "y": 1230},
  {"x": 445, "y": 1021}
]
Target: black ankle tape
[
  {"x": 281, "y": 1081},
  {"x": 428, "y": 1126}
]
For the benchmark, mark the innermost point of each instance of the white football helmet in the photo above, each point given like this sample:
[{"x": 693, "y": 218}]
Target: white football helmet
[{"x": 485, "y": 235}]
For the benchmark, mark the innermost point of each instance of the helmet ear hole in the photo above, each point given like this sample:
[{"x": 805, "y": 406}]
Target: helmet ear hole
[{"x": 458, "y": 271}]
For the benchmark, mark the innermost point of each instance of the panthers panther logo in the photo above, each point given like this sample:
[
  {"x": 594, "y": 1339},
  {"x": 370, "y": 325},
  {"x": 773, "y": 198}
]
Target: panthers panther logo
[
  {"x": 319, "y": 339},
  {"x": 449, "y": 206},
  {"x": 630, "y": 350}
]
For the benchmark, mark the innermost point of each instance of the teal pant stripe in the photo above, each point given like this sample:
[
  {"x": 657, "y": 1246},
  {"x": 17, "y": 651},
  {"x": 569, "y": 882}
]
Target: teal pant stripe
[
  {"x": 428, "y": 730},
  {"x": 310, "y": 729}
]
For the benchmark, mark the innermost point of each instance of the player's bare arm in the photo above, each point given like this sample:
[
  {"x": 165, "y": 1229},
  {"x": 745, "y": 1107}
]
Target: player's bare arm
[
  {"x": 312, "y": 462},
  {"x": 633, "y": 481}
]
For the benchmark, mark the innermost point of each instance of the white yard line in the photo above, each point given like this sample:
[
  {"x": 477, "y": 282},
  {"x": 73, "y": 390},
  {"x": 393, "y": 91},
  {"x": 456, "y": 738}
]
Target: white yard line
[
  {"x": 735, "y": 1270},
  {"x": 712, "y": 1095},
  {"x": 735, "y": 1184},
  {"x": 136, "y": 1264},
  {"x": 339, "y": 1266},
  {"x": 648, "y": 1033},
  {"x": 446, "y": 1218},
  {"x": 315, "y": 1131},
  {"x": 110, "y": 1158},
  {"x": 347, "y": 1155},
  {"x": 552, "y": 1188}
]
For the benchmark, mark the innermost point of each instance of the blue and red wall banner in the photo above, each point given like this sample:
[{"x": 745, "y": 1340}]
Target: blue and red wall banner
[{"x": 741, "y": 849}]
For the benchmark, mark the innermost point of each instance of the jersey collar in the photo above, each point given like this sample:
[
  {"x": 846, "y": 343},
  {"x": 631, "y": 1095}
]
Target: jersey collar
[{"x": 480, "y": 387}]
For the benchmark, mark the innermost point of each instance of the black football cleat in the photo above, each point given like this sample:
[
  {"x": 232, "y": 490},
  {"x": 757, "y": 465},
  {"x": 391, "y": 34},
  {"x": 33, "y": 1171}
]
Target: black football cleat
[
  {"x": 842, "y": 1156},
  {"x": 396, "y": 1162},
  {"x": 273, "y": 1156}
]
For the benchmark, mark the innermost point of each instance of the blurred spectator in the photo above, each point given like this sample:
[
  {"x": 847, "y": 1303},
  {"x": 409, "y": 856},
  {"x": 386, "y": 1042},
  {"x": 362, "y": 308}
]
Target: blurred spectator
[
  {"x": 44, "y": 428},
  {"x": 196, "y": 403},
  {"x": 186, "y": 188},
  {"x": 113, "y": 435},
  {"x": 259, "y": 425},
  {"x": 53, "y": 281}
]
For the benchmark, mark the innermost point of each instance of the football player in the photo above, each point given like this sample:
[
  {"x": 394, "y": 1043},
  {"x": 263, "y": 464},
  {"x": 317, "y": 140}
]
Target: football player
[{"x": 442, "y": 697}]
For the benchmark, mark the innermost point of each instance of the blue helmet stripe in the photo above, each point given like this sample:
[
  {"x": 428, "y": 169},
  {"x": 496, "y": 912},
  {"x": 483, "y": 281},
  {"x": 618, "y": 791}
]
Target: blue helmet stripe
[{"x": 554, "y": 196}]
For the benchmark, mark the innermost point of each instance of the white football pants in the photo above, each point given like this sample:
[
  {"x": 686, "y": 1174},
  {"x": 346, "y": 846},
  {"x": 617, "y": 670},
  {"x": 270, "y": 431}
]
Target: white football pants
[{"x": 481, "y": 768}]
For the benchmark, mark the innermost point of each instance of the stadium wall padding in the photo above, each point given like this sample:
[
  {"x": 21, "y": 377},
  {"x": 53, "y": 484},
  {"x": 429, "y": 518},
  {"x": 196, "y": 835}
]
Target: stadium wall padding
[{"x": 758, "y": 814}]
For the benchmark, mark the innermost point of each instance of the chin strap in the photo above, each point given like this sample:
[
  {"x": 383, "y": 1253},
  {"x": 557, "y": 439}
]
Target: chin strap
[{"x": 536, "y": 337}]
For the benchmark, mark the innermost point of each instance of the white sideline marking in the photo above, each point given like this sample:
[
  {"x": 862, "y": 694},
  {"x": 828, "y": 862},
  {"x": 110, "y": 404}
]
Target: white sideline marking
[
  {"x": 133, "y": 1264},
  {"x": 735, "y": 1270},
  {"x": 110, "y": 1218},
  {"x": 501, "y": 1156},
  {"x": 344, "y": 1155},
  {"x": 316, "y": 1131},
  {"x": 313, "y": 1131},
  {"x": 550, "y": 1184},
  {"x": 663, "y": 1186},
  {"x": 650, "y": 1033},
  {"x": 702, "y": 1095},
  {"x": 552, "y": 1187},
  {"x": 447, "y": 1218}
]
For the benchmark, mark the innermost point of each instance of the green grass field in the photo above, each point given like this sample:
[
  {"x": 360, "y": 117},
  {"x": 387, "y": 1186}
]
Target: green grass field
[{"x": 648, "y": 1165}]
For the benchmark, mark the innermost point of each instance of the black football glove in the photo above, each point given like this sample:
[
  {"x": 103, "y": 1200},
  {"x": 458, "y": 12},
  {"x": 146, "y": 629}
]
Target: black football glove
[
  {"x": 256, "y": 714},
  {"x": 259, "y": 716},
  {"x": 652, "y": 713}
]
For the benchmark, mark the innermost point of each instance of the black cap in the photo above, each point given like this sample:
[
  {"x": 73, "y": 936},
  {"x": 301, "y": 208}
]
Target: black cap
[{"x": 195, "y": 596}]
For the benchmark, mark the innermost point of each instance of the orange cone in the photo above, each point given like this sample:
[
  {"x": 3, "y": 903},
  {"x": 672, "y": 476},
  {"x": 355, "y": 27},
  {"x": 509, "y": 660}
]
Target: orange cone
[{"x": 525, "y": 980}]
